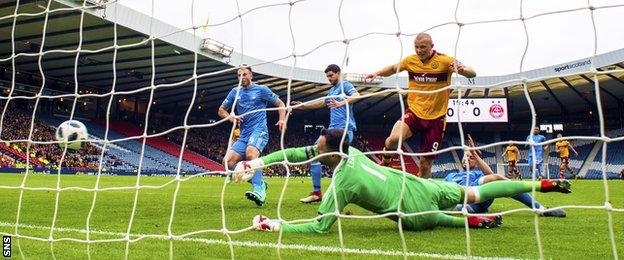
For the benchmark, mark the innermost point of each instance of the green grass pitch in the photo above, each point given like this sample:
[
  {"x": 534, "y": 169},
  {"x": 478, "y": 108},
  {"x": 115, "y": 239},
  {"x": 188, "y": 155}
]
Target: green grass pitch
[{"x": 582, "y": 235}]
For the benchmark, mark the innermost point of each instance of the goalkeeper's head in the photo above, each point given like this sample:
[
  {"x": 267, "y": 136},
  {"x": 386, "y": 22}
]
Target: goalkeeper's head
[{"x": 331, "y": 141}]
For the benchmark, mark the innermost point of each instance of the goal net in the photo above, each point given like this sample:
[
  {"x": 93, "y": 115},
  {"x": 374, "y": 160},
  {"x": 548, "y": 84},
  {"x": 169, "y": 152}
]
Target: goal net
[{"x": 118, "y": 70}]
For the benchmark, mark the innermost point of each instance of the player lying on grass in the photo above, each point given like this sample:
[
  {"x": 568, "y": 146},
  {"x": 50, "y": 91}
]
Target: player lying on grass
[
  {"x": 479, "y": 173},
  {"x": 376, "y": 188}
]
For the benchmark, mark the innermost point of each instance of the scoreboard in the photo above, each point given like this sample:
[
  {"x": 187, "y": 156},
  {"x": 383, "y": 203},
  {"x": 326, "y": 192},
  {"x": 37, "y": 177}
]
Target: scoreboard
[{"x": 477, "y": 110}]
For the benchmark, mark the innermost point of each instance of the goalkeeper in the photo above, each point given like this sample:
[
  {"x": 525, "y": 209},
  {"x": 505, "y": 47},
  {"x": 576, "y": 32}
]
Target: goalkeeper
[{"x": 360, "y": 181}]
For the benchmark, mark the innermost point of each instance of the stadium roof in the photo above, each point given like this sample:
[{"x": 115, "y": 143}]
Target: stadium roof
[{"x": 557, "y": 91}]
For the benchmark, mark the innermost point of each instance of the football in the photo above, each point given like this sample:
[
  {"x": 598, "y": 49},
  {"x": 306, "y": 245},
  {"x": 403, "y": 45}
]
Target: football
[{"x": 71, "y": 133}]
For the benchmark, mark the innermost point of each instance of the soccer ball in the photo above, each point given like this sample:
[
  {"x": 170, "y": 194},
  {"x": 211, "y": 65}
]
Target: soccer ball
[{"x": 71, "y": 133}]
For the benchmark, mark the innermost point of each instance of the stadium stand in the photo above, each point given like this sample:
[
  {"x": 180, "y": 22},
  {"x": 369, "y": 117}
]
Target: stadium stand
[
  {"x": 130, "y": 150},
  {"x": 615, "y": 158},
  {"x": 192, "y": 161},
  {"x": 17, "y": 126},
  {"x": 206, "y": 148}
]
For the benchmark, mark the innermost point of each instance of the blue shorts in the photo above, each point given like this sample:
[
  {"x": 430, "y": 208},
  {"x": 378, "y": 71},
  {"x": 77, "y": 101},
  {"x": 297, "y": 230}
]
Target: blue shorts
[
  {"x": 482, "y": 207},
  {"x": 258, "y": 139},
  {"x": 539, "y": 165}
]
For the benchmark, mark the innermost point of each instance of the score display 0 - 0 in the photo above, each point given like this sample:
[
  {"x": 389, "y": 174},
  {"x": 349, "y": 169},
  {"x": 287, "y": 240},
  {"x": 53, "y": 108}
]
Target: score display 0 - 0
[{"x": 477, "y": 110}]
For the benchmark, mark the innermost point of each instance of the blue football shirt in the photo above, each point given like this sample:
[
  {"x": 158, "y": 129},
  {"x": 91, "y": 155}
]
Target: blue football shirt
[
  {"x": 251, "y": 100},
  {"x": 538, "y": 148},
  {"x": 338, "y": 116}
]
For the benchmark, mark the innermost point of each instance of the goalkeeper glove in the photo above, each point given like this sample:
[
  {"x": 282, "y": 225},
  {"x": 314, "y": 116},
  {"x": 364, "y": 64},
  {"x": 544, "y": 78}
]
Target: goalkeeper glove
[
  {"x": 244, "y": 170},
  {"x": 262, "y": 223}
]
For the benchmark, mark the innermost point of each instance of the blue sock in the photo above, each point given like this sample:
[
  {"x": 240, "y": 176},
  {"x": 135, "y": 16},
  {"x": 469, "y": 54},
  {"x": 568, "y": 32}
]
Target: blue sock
[
  {"x": 482, "y": 207},
  {"x": 257, "y": 178},
  {"x": 526, "y": 199},
  {"x": 317, "y": 172}
]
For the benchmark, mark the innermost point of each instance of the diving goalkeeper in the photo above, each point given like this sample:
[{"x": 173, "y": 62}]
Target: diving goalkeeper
[{"x": 376, "y": 188}]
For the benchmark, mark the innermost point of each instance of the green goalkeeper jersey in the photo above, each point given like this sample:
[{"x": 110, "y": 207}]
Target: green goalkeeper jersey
[{"x": 361, "y": 181}]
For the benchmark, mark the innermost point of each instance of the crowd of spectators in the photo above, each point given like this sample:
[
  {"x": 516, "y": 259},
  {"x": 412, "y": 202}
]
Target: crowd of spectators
[
  {"x": 6, "y": 161},
  {"x": 17, "y": 125},
  {"x": 211, "y": 142}
]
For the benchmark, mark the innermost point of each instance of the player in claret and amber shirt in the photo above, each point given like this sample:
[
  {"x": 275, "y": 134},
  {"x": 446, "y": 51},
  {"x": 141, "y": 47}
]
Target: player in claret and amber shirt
[
  {"x": 512, "y": 158},
  {"x": 564, "y": 147},
  {"x": 425, "y": 115}
]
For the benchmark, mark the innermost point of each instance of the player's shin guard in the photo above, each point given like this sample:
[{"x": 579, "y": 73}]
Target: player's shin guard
[{"x": 317, "y": 172}]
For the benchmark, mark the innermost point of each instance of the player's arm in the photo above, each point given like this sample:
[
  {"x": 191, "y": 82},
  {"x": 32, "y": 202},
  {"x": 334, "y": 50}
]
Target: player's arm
[
  {"x": 281, "y": 123},
  {"x": 462, "y": 69},
  {"x": 223, "y": 113},
  {"x": 504, "y": 153},
  {"x": 316, "y": 104},
  {"x": 321, "y": 225},
  {"x": 572, "y": 148},
  {"x": 483, "y": 165},
  {"x": 355, "y": 97},
  {"x": 384, "y": 72},
  {"x": 477, "y": 155},
  {"x": 324, "y": 224},
  {"x": 243, "y": 170},
  {"x": 352, "y": 96},
  {"x": 348, "y": 100},
  {"x": 293, "y": 155},
  {"x": 270, "y": 97},
  {"x": 226, "y": 105}
]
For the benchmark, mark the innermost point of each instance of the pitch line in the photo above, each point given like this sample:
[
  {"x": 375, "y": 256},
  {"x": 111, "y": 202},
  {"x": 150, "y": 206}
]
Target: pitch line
[{"x": 326, "y": 249}]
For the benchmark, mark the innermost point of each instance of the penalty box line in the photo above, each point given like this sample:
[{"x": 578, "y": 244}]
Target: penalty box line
[{"x": 328, "y": 249}]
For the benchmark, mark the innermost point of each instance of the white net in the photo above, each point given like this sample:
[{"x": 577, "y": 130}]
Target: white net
[{"x": 91, "y": 237}]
